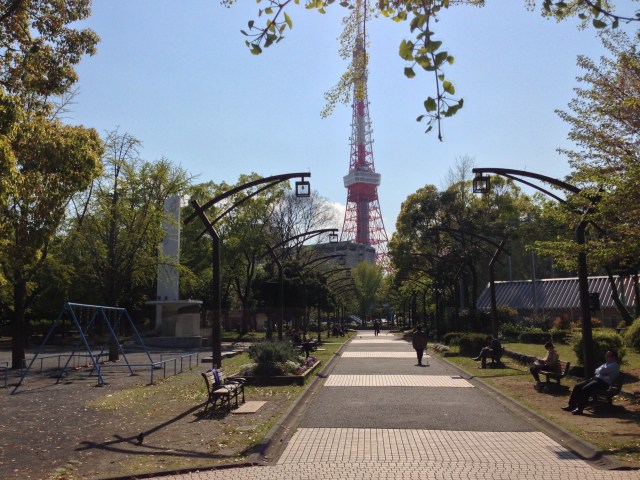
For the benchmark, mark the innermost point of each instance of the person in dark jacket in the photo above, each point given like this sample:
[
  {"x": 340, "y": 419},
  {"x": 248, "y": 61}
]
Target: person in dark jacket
[
  {"x": 419, "y": 343},
  {"x": 492, "y": 350}
]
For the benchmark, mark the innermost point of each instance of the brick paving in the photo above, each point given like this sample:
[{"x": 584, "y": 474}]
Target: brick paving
[
  {"x": 363, "y": 453},
  {"x": 380, "y": 355},
  {"x": 375, "y": 341},
  {"x": 396, "y": 381}
]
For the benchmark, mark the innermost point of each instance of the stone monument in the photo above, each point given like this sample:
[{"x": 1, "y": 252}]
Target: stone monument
[{"x": 177, "y": 321}]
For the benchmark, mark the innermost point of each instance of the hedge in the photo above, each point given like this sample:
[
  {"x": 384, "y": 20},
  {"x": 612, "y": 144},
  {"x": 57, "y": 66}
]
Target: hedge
[
  {"x": 472, "y": 343},
  {"x": 603, "y": 340}
]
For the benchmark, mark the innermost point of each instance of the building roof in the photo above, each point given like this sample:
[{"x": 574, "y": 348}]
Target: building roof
[{"x": 555, "y": 293}]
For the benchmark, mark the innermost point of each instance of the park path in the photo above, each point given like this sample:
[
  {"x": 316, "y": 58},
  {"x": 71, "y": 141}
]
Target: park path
[{"x": 380, "y": 416}]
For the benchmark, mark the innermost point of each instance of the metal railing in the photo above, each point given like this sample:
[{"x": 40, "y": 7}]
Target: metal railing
[{"x": 179, "y": 361}]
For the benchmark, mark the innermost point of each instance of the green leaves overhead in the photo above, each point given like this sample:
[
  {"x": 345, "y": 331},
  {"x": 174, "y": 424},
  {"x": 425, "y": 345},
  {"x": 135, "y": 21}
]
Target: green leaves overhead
[
  {"x": 406, "y": 50},
  {"x": 419, "y": 49},
  {"x": 430, "y": 104}
]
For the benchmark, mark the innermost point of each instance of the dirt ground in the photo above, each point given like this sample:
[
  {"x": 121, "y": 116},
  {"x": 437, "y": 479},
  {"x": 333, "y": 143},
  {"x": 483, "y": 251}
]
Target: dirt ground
[{"x": 72, "y": 429}]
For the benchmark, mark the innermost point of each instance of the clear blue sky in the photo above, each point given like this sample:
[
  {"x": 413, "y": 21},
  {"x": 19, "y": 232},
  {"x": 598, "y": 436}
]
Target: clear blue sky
[{"x": 177, "y": 75}]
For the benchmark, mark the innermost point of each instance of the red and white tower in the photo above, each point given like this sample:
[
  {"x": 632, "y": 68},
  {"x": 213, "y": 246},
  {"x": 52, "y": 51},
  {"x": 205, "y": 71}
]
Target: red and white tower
[{"x": 362, "y": 219}]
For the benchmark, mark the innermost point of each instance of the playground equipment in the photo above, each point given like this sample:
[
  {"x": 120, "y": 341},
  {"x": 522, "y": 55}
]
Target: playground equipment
[{"x": 86, "y": 318}]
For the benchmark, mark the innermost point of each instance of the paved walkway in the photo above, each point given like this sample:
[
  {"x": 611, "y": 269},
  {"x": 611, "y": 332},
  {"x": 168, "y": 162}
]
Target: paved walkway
[{"x": 380, "y": 416}]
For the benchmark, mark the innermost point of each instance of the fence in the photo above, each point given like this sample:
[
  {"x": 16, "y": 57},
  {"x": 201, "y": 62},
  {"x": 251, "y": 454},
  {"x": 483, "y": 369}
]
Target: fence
[{"x": 61, "y": 364}]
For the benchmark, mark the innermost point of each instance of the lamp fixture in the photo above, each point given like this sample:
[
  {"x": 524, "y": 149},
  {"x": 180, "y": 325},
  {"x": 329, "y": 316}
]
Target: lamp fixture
[
  {"x": 303, "y": 188},
  {"x": 481, "y": 184}
]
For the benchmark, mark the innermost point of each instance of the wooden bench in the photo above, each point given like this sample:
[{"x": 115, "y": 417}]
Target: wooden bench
[
  {"x": 604, "y": 398},
  {"x": 556, "y": 375},
  {"x": 222, "y": 390},
  {"x": 308, "y": 346}
]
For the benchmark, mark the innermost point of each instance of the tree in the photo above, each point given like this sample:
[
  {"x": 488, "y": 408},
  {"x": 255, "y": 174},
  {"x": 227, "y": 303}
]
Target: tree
[
  {"x": 118, "y": 227},
  {"x": 40, "y": 50},
  {"x": 422, "y": 50},
  {"x": 368, "y": 279},
  {"x": 50, "y": 162},
  {"x": 605, "y": 126},
  {"x": 44, "y": 162}
]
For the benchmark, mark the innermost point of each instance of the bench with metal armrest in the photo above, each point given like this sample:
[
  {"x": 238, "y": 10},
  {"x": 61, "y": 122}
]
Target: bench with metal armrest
[
  {"x": 604, "y": 398},
  {"x": 558, "y": 374},
  {"x": 222, "y": 390}
]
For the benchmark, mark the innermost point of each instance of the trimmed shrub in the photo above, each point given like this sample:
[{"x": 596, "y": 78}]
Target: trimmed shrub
[
  {"x": 632, "y": 335},
  {"x": 471, "y": 343},
  {"x": 506, "y": 314},
  {"x": 562, "y": 323},
  {"x": 534, "y": 335},
  {"x": 452, "y": 337},
  {"x": 603, "y": 340},
  {"x": 271, "y": 358},
  {"x": 560, "y": 336},
  {"x": 510, "y": 331}
]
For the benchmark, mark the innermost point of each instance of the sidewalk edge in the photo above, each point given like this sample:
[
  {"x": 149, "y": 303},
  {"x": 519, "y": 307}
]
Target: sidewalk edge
[
  {"x": 575, "y": 444},
  {"x": 274, "y": 441}
]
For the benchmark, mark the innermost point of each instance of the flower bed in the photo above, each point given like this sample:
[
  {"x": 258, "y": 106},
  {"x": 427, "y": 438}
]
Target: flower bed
[{"x": 298, "y": 378}]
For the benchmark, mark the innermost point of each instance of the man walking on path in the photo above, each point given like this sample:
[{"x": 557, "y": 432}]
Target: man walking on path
[{"x": 419, "y": 342}]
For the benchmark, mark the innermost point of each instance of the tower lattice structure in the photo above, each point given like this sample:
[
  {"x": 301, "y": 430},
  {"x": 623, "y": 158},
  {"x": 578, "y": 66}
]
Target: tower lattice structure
[{"x": 363, "y": 218}]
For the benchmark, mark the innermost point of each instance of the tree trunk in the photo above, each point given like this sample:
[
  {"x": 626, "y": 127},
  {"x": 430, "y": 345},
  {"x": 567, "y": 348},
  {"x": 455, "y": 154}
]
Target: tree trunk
[
  {"x": 615, "y": 296},
  {"x": 636, "y": 290},
  {"x": 246, "y": 318},
  {"x": 18, "y": 325}
]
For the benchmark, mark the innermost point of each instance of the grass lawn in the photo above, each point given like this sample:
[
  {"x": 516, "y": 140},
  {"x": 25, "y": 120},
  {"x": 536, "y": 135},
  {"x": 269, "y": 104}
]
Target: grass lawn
[{"x": 616, "y": 432}]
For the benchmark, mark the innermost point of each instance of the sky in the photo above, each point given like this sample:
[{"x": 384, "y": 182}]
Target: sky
[{"x": 178, "y": 76}]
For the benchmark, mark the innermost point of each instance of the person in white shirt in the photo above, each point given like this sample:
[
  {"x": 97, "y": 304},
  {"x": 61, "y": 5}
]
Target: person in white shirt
[{"x": 604, "y": 376}]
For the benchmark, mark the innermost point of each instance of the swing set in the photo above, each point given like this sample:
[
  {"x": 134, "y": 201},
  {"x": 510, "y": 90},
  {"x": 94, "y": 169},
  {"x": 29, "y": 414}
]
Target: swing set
[{"x": 87, "y": 319}]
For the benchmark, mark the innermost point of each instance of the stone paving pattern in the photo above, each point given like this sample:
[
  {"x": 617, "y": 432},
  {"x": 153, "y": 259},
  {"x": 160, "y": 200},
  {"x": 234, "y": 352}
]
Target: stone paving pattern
[{"x": 358, "y": 429}]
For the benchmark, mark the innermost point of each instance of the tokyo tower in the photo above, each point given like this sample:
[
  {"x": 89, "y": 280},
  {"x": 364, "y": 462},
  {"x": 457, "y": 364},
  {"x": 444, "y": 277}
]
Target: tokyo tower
[{"x": 362, "y": 219}]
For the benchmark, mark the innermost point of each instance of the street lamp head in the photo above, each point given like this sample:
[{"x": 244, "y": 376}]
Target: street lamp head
[
  {"x": 333, "y": 237},
  {"x": 481, "y": 184},
  {"x": 303, "y": 188}
]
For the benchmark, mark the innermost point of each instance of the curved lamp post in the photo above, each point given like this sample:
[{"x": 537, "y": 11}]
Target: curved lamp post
[
  {"x": 302, "y": 190},
  {"x": 333, "y": 237},
  {"x": 481, "y": 184}
]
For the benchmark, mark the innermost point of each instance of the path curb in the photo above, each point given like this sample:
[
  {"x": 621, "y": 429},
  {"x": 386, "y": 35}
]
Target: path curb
[
  {"x": 572, "y": 442},
  {"x": 274, "y": 441}
]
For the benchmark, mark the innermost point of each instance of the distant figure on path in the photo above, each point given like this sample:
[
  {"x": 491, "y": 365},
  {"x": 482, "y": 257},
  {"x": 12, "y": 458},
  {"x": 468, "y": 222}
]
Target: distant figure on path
[
  {"x": 376, "y": 327},
  {"x": 550, "y": 363},
  {"x": 419, "y": 342},
  {"x": 604, "y": 376},
  {"x": 492, "y": 350}
]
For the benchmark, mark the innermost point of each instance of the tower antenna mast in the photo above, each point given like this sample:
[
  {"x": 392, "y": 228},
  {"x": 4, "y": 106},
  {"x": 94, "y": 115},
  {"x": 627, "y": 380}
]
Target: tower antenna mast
[{"x": 363, "y": 219}]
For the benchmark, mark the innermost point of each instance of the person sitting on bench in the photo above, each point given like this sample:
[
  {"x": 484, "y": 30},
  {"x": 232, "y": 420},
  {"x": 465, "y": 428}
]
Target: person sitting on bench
[
  {"x": 492, "y": 350},
  {"x": 604, "y": 376},
  {"x": 550, "y": 363}
]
